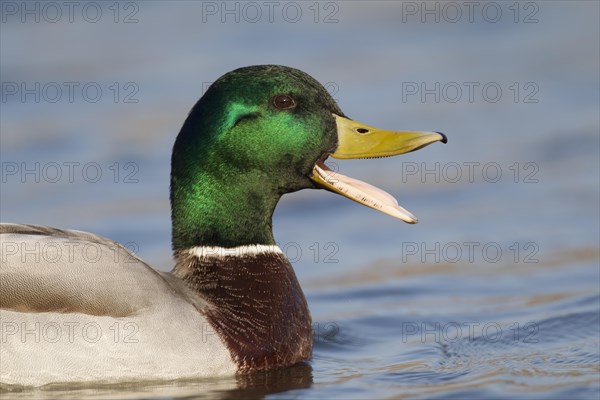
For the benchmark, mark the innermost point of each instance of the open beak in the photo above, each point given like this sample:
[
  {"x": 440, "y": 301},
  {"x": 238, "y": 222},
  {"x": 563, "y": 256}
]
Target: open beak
[{"x": 356, "y": 140}]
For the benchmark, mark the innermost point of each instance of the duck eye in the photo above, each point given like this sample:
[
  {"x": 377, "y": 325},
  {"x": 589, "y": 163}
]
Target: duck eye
[{"x": 284, "y": 102}]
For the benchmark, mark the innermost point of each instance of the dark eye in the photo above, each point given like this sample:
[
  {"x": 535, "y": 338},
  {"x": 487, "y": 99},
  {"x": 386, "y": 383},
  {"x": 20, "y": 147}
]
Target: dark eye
[{"x": 284, "y": 102}]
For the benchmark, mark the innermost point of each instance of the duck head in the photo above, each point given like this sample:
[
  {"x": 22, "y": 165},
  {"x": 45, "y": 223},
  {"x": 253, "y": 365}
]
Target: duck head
[{"x": 260, "y": 132}]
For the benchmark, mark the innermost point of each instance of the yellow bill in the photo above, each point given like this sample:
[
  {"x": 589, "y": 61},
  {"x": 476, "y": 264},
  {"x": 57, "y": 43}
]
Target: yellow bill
[{"x": 356, "y": 140}]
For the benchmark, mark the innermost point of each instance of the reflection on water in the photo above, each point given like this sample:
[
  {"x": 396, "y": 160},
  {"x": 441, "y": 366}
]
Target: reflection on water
[{"x": 241, "y": 387}]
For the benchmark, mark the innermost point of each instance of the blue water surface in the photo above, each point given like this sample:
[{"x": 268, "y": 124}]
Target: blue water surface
[{"x": 494, "y": 294}]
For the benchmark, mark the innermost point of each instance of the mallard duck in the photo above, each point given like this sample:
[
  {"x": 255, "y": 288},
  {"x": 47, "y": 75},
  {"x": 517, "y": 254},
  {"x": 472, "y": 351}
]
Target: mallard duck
[{"x": 76, "y": 307}]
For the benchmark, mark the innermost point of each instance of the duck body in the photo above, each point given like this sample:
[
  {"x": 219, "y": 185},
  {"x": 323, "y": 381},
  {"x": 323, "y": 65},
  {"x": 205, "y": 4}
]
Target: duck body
[
  {"x": 95, "y": 312},
  {"x": 92, "y": 319},
  {"x": 76, "y": 307}
]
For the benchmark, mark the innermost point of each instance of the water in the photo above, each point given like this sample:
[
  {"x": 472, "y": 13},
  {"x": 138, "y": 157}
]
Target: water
[{"x": 495, "y": 293}]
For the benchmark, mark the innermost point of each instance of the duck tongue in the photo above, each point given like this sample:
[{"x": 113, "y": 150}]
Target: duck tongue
[{"x": 360, "y": 191}]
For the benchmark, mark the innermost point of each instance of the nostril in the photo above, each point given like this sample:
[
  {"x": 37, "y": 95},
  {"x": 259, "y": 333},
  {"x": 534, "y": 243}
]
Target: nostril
[{"x": 362, "y": 130}]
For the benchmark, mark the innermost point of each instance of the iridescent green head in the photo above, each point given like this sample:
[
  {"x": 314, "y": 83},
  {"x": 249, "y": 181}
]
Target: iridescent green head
[{"x": 257, "y": 133}]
